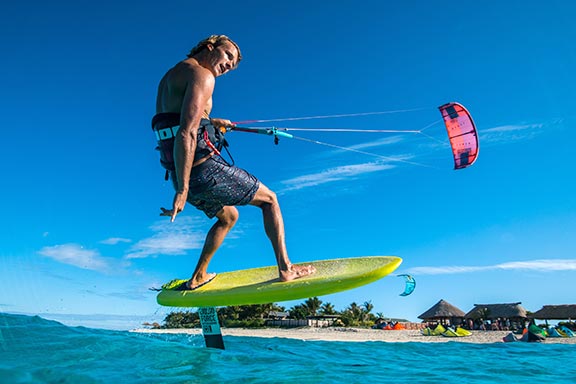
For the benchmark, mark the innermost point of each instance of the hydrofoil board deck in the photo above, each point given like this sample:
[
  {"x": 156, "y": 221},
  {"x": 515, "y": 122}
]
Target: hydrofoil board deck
[{"x": 261, "y": 285}]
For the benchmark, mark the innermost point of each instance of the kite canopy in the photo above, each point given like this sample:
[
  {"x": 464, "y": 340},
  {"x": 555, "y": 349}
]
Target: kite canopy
[
  {"x": 462, "y": 134},
  {"x": 410, "y": 285}
]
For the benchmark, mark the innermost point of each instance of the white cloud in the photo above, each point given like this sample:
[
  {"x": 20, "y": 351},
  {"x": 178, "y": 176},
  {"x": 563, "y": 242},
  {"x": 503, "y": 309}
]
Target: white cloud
[
  {"x": 541, "y": 265},
  {"x": 78, "y": 256},
  {"x": 115, "y": 240},
  {"x": 509, "y": 133},
  {"x": 511, "y": 128},
  {"x": 170, "y": 239},
  {"x": 333, "y": 174},
  {"x": 532, "y": 265}
]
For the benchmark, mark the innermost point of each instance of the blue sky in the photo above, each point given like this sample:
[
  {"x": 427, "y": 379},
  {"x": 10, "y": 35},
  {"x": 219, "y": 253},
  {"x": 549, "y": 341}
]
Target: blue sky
[{"x": 82, "y": 185}]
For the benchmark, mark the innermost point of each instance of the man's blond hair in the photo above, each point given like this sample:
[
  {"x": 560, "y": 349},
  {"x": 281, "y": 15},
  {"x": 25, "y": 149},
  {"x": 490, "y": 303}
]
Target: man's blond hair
[{"x": 215, "y": 40}]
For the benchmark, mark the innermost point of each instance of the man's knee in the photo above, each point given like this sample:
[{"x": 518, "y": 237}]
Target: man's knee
[
  {"x": 265, "y": 196},
  {"x": 272, "y": 198},
  {"x": 228, "y": 216}
]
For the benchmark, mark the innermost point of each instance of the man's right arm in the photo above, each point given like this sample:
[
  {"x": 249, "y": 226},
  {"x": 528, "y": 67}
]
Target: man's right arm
[{"x": 199, "y": 89}]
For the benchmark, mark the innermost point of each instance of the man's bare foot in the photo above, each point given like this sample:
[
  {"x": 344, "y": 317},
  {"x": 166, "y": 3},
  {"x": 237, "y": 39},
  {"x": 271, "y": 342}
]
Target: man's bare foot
[
  {"x": 296, "y": 271},
  {"x": 197, "y": 282}
]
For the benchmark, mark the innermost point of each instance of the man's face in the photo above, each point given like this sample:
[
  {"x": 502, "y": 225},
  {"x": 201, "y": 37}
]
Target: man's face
[{"x": 223, "y": 58}]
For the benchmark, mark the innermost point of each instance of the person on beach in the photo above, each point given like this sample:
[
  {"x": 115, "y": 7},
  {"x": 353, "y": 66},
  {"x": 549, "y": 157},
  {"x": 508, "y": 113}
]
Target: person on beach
[{"x": 186, "y": 136}]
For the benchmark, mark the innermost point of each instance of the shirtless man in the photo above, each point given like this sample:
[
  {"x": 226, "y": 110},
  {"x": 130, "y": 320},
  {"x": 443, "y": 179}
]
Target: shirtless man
[{"x": 200, "y": 176}]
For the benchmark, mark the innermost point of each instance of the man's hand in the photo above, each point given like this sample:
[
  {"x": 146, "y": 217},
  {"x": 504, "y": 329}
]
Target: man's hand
[
  {"x": 177, "y": 205},
  {"x": 218, "y": 123}
]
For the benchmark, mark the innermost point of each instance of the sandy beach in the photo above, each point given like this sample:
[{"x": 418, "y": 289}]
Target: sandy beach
[{"x": 355, "y": 334}]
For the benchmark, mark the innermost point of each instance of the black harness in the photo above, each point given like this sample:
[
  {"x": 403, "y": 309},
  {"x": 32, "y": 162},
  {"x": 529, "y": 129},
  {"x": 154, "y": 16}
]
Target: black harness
[{"x": 165, "y": 126}]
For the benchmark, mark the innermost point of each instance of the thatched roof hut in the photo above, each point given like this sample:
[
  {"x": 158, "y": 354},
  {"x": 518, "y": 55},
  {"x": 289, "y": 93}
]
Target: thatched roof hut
[
  {"x": 443, "y": 311},
  {"x": 496, "y": 311},
  {"x": 556, "y": 312}
]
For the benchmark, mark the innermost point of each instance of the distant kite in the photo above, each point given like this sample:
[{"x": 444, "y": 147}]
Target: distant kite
[
  {"x": 462, "y": 134},
  {"x": 410, "y": 285}
]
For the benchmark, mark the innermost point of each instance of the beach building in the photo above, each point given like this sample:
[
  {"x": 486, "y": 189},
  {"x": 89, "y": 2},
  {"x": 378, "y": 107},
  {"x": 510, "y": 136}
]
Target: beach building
[
  {"x": 276, "y": 315},
  {"x": 281, "y": 319},
  {"x": 443, "y": 313},
  {"x": 507, "y": 316},
  {"x": 556, "y": 312}
]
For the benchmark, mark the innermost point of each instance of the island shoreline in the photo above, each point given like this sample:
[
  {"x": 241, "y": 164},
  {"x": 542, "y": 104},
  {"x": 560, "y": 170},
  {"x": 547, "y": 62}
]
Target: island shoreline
[{"x": 351, "y": 334}]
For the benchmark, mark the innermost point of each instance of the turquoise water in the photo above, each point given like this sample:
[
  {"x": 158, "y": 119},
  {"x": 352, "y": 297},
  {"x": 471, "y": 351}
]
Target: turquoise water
[{"x": 34, "y": 350}]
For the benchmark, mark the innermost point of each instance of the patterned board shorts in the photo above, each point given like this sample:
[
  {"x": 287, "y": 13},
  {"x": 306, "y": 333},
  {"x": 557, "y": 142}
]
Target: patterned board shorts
[{"x": 215, "y": 184}]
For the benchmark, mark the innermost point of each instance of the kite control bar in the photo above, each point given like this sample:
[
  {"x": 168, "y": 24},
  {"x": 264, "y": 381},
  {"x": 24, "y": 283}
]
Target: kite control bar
[{"x": 273, "y": 131}]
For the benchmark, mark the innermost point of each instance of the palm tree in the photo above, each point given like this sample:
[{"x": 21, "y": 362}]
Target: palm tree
[
  {"x": 254, "y": 311},
  {"x": 313, "y": 304},
  {"x": 352, "y": 315},
  {"x": 327, "y": 309},
  {"x": 355, "y": 310},
  {"x": 298, "y": 311},
  {"x": 367, "y": 308},
  {"x": 230, "y": 312}
]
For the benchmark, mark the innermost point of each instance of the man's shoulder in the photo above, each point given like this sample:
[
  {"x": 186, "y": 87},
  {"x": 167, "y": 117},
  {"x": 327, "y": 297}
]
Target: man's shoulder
[
  {"x": 190, "y": 66},
  {"x": 191, "y": 70}
]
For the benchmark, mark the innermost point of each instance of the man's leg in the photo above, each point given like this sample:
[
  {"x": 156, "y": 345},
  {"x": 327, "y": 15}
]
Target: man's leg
[
  {"x": 227, "y": 217},
  {"x": 274, "y": 227}
]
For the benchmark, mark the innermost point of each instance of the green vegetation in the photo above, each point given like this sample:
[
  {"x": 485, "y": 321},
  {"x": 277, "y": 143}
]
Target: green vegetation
[
  {"x": 254, "y": 316},
  {"x": 181, "y": 320}
]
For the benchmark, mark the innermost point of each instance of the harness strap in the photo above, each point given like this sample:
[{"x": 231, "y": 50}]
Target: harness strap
[{"x": 210, "y": 144}]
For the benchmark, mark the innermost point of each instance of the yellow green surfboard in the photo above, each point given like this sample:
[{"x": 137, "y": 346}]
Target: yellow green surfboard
[{"x": 261, "y": 285}]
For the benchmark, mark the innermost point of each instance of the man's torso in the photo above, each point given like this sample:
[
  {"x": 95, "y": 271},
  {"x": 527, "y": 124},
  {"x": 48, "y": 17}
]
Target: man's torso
[{"x": 172, "y": 88}]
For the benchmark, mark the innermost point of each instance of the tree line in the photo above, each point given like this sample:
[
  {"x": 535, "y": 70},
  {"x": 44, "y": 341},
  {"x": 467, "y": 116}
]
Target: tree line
[{"x": 254, "y": 316}]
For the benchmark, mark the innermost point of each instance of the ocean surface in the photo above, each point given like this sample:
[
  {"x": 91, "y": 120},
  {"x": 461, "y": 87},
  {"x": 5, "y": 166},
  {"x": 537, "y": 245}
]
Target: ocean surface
[{"x": 35, "y": 350}]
